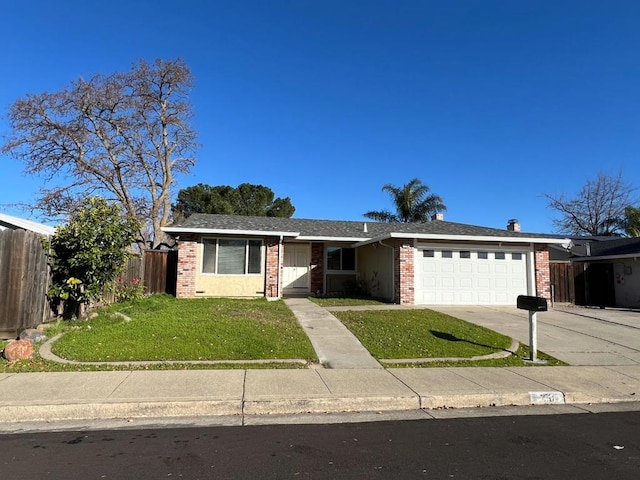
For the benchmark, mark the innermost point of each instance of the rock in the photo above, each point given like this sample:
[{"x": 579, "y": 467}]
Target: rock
[
  {"x": 18, "y": 350},
  {"x": 32, "y": 334}
]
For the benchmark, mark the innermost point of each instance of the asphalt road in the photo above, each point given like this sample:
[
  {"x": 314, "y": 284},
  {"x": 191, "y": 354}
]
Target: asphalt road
[{"x": 584, "y": 446}]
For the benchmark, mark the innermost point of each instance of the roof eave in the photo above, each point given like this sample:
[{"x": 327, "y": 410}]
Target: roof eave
[
  {"x": 467, "y": 238},
  {"x": 223, "y": 231},
  {"x": 632, "y": 256}
]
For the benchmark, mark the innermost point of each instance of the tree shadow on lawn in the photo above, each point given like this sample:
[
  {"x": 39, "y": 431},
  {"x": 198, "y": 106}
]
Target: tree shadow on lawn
[{"x": 452, "y": 338}]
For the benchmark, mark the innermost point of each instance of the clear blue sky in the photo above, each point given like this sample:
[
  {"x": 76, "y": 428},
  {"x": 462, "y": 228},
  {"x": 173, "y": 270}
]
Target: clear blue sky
[{"x": 490, "y": 103}]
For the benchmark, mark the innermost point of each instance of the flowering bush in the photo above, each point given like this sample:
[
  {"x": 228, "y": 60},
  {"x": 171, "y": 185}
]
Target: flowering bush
[{"x": 124, "y": 291}]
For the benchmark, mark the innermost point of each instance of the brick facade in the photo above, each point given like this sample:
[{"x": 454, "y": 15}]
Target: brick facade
[
  {"x": 273, "y": 269},
  {"x": 317, "y": 268},
  {"x": 543, "y": 276},
  {"x": 186, "y": 276},
  {"x": 404, "y": 272}
]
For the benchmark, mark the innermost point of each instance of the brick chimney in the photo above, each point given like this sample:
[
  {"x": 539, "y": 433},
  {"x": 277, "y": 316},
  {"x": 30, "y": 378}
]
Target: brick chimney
[{"x": 513, "y": 225}]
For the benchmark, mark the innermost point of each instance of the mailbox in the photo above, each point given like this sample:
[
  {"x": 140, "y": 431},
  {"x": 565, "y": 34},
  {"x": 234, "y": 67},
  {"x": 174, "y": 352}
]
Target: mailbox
[{"x": 533, "y": 304}]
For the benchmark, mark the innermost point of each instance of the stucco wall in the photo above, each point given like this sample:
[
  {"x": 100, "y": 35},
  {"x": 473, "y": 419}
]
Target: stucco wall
[
  {"x": 626, "y": 279},
  {"x": 375, "y": 270}
]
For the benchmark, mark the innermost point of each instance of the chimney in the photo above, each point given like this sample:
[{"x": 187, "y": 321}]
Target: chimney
[
  {"x": 438, "y": 216},
  {"x": 364, "y": 228},
  {"x": 513, "y": 225}
]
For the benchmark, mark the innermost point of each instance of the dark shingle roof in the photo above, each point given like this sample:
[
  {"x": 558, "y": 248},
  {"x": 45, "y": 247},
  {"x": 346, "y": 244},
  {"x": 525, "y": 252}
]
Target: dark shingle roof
[
  {"x": 328, "y": 229},
  {"x": 622, "y": 246}
]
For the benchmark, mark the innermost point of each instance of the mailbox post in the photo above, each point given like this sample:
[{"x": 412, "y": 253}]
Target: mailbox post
[{"x": 532, "y": 305}]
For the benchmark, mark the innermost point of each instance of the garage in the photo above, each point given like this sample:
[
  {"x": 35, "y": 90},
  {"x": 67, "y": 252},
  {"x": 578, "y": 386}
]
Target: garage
[{"x": 454, "y": 275}]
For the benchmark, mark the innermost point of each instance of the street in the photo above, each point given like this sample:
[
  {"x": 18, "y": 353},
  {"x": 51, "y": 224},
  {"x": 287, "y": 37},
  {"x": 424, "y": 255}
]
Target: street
[{"x": 593, "y": 446}]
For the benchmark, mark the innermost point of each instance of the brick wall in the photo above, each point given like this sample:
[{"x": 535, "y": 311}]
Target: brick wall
[
  {"x": 404, "y": 272},
  {"x": 186, "y": 276},
  {"x": 317, "y": 268},
  {"x": 272, "y": 268},
  {"x": 543, "y": 276}
]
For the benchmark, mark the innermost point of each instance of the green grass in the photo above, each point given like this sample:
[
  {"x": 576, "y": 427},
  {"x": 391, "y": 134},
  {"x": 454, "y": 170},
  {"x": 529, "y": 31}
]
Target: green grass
[
  {"x": 167, "y": 329},
  {"x": 399, "y": 334},
  {"x": 420, "y": 334},
  {"x": 344, "y": 301}
]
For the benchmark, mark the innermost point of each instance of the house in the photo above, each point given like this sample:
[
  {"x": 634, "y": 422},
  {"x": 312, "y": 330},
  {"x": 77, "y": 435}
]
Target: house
[
  {"x": 602, "y": 271},
  {"x": 438, "y": 262},
  {"x": 8, "y": 222}
]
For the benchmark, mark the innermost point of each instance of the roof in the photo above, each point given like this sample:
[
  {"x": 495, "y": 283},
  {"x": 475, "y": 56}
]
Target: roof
[
  {"x": 14, "y": 223},
  {"x": 610, "y": 249},
  {"x": 343, "y": 230}
]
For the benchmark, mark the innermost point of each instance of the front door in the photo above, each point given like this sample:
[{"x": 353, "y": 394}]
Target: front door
[{"x": 295, "y": 273}]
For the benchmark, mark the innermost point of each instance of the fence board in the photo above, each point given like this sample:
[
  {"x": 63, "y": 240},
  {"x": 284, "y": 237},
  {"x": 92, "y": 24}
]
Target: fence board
[
  {"x": 160, "y": 269},
  {"x": 24, "y": 280},
  {"x": 561, "y": 277}
]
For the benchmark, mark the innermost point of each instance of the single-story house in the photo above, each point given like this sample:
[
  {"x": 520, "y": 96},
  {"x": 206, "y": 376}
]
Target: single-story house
[
  {"x": 9, "y": 222},
  {"x": 605, "y": 271},
  {"x": 438, "y": 262}
]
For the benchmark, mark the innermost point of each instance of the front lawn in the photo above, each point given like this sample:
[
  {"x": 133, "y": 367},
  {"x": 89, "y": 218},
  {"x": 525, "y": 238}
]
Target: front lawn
[
  {"x": 415, "y": 334},
  {"x": 344, "y": 301},
  {"x": 164, "y": 328}
]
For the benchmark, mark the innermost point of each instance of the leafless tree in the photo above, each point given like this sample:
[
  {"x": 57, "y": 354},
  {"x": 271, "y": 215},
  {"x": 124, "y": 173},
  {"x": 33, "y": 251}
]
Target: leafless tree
[
  {"x": 598, "y": 209},
  {"x": 123, "y": 136}
]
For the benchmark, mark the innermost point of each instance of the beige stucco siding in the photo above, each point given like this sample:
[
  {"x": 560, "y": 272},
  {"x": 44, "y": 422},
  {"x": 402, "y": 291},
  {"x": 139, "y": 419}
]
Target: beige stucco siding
[
  {"x": 375, "y": 270},
  {"x": 229, "y": 285}
]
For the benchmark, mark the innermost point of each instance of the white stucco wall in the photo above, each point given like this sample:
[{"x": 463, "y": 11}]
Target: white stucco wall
[{"x": 626, "y": 279}]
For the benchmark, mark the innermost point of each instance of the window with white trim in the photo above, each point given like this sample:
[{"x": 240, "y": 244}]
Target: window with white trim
[
  {"x": 231, "y": 256},
  {"x": 341, "y": 259}
]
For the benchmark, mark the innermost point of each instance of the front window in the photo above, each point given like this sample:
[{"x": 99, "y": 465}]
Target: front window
[
  {"x": 224, "y": 256},
  {"x": 339, "y": 259}
]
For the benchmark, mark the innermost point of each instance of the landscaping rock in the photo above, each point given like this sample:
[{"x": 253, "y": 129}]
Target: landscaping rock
[
  {"x": 33, "y": 334},
  {"x": 18, "y": 350}
]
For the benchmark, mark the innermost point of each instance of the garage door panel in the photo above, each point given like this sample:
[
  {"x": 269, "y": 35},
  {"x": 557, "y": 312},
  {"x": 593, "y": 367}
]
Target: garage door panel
[{"x": 493, "y": 278}]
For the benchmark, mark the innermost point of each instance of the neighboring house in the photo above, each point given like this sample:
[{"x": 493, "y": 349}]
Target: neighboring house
[
  {"x": 605, "y": 271},
  {"x": 14, "y": 223},
  {"x": 430, "y": 263}
]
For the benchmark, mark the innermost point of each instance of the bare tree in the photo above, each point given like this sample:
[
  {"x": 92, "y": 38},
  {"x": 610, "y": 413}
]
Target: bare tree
[
  {"x": 123, "y": 136},
  {"x": 598, "y": 209}
]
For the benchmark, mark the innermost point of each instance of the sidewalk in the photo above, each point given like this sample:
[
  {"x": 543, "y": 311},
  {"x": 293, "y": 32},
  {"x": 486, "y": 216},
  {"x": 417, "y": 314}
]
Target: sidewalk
[
  {"x": 190, "y": 393},
  {"x": 353, "y": 382}
]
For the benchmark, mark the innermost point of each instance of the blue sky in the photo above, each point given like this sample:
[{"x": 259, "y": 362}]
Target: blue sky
[{"x": 490, "y": 103}]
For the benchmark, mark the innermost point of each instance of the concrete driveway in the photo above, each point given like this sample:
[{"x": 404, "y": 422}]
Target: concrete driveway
[{"x": 576, "y": 335}]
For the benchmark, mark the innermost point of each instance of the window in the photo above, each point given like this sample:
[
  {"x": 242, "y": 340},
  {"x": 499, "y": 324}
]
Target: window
[
  {"x": 465, "y": 254},
  {"x": 483, "y": 255},
  {"x": 516, "y": 256},
  {"x": 341, "y": 258},
  {"x": 428, "y": 253},
  {"x": 224, "y": 256},
  {"x": 500, "y": 255},
  {"x": 447, "y": 254}
]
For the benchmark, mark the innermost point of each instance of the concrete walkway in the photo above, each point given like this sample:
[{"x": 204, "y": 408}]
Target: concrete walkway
[{"x": 334, "y": 344}]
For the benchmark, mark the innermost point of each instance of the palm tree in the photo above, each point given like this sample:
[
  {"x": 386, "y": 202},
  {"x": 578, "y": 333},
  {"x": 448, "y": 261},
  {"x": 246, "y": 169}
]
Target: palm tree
[{"x": 414, "y": 203}]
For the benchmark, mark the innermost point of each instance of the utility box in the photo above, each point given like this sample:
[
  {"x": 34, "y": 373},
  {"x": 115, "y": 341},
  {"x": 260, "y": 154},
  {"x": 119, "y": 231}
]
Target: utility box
[{"x": 532, "y": 304}]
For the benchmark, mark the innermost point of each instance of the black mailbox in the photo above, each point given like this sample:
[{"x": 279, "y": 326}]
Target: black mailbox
[{"x": 533, "y": 304}]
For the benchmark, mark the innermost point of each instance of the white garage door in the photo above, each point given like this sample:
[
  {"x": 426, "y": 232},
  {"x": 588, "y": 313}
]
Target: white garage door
[{"x": 479, "y": 276}]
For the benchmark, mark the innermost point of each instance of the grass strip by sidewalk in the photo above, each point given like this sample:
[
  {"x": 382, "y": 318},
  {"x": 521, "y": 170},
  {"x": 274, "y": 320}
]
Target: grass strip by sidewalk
[
  {"x": 344, "y": 301},
  {"x": 400, "y": 334},
  {"x": 164, "y": 328}
]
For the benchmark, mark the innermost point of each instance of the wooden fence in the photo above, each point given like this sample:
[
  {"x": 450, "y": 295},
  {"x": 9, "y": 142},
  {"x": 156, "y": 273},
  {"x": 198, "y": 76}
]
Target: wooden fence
[
  {"x": 24, "y": 281},
  {"x": 160, "y": 271}
]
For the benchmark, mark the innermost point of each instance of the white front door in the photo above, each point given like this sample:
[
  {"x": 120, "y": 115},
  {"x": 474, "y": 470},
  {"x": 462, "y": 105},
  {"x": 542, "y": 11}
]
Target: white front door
[{"x": 296, "y": 266}]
